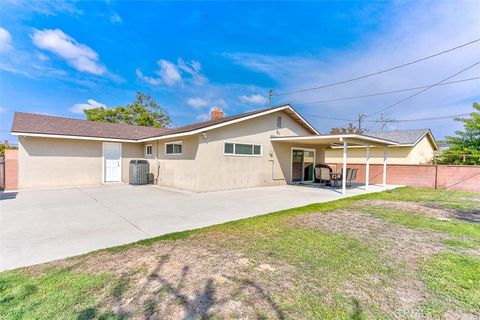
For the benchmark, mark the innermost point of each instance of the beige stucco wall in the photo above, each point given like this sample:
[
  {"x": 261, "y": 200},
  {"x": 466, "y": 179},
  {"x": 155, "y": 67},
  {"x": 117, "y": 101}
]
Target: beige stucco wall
[
  {"x": 130, "y": 151},
  {"x": 45, "y": 162},
  {"x": 421, "y": 153},
  {"x": 217, "y": 171},
  {"x": 48, "y": 162},
  {"x": 56, "y": 162},
  {"x": 176, "y": 171}
]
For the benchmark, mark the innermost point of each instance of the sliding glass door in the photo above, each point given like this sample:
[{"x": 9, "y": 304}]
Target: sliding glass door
[{"x": 303, "y": 165}]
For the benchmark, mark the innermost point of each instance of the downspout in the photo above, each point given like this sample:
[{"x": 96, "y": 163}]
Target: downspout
[{"x": 158, "y": 165}]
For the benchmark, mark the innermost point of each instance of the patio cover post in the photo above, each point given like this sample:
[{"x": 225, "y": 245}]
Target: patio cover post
[
  {"x": 344, "y": 167},
  {"x": 385, "y": 166},
  {"x": 367, "y": 168}
]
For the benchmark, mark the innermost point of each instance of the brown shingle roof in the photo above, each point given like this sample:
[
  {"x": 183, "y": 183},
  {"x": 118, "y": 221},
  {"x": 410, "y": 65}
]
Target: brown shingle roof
[
  {"x": 42, "y": 124},
  {"x": 205, "y": 124}
]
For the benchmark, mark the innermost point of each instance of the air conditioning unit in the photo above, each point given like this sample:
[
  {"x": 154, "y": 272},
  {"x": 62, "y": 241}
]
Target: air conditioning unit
[{"x": 138, "y": 172}]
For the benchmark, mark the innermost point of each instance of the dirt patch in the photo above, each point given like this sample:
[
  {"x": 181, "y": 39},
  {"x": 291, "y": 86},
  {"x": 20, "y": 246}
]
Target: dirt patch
[
  {"x": 426, "y": 209},
  {"x": 403, "y": 249},
  {"x": 398, "y": 242},
  {"x": 186, "y": 280}
]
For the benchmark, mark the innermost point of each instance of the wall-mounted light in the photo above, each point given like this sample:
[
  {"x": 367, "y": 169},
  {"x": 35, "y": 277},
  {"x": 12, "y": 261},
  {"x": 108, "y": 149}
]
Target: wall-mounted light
[{"x": 204, "y": 134}]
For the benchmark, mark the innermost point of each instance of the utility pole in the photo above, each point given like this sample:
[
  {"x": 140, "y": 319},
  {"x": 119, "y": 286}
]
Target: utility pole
[
  {"x": 360, "y": 119},
  {"x": 270, "y": 94},
  {"x": 384, "y": 121}
]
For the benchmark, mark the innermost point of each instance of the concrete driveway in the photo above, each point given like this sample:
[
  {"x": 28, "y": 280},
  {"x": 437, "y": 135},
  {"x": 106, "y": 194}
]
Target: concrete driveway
[{"x": 43, "y": 225}]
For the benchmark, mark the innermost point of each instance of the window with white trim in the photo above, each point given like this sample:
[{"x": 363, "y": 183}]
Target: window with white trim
[
  {"x": 174, "y": 148},
  {"x": 148, "y": 150},
  {"x": 242, "y": 149}
]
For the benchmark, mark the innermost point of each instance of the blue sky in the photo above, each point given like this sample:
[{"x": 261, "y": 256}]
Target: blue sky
[{"x": 59, "y": 57}]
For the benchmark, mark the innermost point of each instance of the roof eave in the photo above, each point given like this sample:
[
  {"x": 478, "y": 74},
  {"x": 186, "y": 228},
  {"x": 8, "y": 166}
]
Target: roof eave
[
  {"x": 340, "y": 137},
  {"x": 226, "y": 123},
  {"x": 63, "y": 136}
]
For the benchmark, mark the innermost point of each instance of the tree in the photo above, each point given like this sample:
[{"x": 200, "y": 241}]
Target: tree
[
  {"x": 5, "y": 146},
  {"x": 144, "y": 111},
  {"x": 349, "y": 129},
  {"x": 465, "y": 146}
]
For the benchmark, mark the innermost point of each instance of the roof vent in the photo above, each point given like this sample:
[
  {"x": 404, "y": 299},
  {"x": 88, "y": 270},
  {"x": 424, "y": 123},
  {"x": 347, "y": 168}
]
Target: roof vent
[{"x": 216, "y": 113}]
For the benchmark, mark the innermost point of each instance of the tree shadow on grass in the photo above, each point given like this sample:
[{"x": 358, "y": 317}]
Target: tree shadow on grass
[
  {"x": 260, "y": 292},
  {"x": 156, "y": 288}
]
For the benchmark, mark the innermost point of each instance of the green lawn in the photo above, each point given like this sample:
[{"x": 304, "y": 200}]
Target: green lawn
[{"x": 401, "y": 254}]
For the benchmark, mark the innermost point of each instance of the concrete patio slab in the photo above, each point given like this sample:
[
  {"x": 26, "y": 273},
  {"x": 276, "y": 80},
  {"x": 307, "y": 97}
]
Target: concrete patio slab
[{"x": 42, "y": 225}]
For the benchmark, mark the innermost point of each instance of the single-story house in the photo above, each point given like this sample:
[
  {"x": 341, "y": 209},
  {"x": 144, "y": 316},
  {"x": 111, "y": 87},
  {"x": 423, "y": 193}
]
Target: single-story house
[
  {"x": 265, "y": 147},
  {"x": 413, "y": 147}
]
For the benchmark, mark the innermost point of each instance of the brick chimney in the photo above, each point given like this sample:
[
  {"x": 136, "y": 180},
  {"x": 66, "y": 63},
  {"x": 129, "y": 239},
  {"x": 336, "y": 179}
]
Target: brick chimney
[{"x": 216, "y": 113}]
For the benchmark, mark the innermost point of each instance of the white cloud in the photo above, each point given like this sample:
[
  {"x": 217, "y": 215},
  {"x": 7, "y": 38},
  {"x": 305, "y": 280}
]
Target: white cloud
[
  {"x": 192, "y": 68},
  {"x": 44, "y": 7},
  {"x": 5, "y": 40},
  {"x": 203, "y": 117},
  {"x": 168, "y": 72},
  {"x": 257, "y": 99},
  {"x": 91, "y": 104},
  {"x": 171, "y": 74},
  {"x": 42, "y": 57},
  {"x": 115, "y": 18},
  {"x": 197, "y": 102},
  {"x": 150, "y": 80},
  {"x": 78, "y": 55}
]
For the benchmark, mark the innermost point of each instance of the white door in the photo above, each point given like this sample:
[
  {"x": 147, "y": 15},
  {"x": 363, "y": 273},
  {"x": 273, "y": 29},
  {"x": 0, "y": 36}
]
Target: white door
[{"x": 112, "y": 157}]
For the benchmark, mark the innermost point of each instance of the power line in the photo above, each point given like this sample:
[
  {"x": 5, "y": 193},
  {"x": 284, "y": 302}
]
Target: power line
[
  {"x": 422, "y": 91},
  {"x": 424, "y": 119},
  {"x": 393, "y": 120},
  {"x": 382, "y": 93},
  {"x": 381, "y": 71},
  {"x": 329, "y": 118}
]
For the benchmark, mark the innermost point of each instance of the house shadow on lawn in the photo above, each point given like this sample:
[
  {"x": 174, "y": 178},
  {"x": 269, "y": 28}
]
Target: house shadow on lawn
[{"x": 467, "y": 215}]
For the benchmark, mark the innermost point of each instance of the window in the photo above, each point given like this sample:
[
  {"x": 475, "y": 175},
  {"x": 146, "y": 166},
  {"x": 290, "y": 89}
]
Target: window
[
  {"x": 148, "y": 150},
  {"x": 174, "y": 148},
  {"x": 242, "y": 149},
  {"x": 279, "y": 122}
]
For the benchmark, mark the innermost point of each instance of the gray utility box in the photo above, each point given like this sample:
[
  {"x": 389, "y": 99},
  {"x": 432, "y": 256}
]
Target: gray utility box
[{"x": 138, "y": 172}]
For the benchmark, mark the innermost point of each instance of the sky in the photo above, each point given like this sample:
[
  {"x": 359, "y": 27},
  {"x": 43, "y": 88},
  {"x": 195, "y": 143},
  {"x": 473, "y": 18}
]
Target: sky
[{"x": 59, "y": 57}]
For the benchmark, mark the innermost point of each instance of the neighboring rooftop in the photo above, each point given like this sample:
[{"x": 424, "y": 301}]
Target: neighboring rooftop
[
  {"x": 52, "y": 125},
  {"x": 407, "y": 137}
]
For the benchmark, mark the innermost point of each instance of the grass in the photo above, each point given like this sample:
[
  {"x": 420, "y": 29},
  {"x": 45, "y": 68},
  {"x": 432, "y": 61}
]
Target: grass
[
  {"x": 317, "y": 274},
  {"x": 57, "y": 293},
  {"x": 461, "y": 244},
  {"x": 455, "y": 279},
  {"x": 456, "y": 228}
]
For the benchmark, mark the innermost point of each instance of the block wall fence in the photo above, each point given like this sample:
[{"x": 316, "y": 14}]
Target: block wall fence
[{"x": 454, "y": 177}]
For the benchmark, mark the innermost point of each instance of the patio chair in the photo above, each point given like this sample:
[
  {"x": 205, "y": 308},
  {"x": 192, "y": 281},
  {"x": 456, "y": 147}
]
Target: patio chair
[
  {"x": 348, "y": 177},
  {"x": 323, "y": 175},
  {"x": 351, "y": 175}
]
